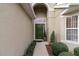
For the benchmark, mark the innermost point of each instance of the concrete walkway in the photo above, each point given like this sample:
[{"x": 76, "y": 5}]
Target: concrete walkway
[{"x": 40, "y": 49}]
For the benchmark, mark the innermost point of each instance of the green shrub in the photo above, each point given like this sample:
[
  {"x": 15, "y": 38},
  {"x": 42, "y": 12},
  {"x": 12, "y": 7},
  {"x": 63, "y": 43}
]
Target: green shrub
[
  {"x": 53, "y": 37},
  {"x": 59, "y": 47},
  {"x": 30, "y": 49},
  {"x": 76, "y": 51},
  {"x": 66, "y": 54}
]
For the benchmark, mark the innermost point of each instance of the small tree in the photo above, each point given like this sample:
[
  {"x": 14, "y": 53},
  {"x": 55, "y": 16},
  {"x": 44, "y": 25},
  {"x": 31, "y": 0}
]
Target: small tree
[{"x": 53, "y": 39}]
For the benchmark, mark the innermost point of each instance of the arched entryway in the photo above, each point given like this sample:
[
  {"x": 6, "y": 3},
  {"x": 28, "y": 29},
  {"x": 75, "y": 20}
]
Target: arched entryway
[{"x": 40, "y": 22}]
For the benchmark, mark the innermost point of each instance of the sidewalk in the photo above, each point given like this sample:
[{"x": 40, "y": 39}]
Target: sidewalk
[{"x": 40, "y": 49}]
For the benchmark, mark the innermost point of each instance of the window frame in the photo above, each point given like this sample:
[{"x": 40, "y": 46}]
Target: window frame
[{"x": 70, "y": 41}]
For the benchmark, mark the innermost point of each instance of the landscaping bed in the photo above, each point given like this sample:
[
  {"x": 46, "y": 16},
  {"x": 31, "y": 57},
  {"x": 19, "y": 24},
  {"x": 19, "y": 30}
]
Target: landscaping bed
[
  {"x": 30, "y": 49},
  {"x": 49, "y": 49}
]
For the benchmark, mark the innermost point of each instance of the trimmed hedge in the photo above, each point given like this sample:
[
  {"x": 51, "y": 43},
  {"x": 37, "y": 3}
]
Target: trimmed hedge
[
  {"x": 53, "y": 37},
  {"x": 76, "y": 51},
  {"x": 59, "y": 47},
  {"x": 30, "y": 49},
  {"x": 66, "y": 54}
]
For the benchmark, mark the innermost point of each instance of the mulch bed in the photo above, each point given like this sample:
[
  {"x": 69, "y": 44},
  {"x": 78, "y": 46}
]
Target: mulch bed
[{"x": 49, "y": 49}]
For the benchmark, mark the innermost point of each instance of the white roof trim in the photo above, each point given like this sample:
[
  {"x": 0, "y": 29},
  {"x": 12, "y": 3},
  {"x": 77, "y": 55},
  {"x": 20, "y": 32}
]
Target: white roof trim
[
  {"x": 62, "y": 6},
  {"x": 28, "y": 9},
  {"x": 64, "y": 11},
  {"x": 71, "y": 9}
]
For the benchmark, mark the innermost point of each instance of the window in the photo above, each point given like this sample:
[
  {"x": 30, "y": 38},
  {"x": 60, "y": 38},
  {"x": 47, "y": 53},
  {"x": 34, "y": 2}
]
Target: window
[{"x": 72, "y": 28}]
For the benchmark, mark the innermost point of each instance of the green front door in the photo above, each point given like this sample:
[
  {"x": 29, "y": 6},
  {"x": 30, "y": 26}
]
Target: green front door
[{"x": 39, "y": 31}]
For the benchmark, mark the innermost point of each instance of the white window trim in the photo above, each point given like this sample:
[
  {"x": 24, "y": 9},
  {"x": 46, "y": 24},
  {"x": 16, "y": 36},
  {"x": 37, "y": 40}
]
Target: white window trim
[{"x": 73, "y": 28}]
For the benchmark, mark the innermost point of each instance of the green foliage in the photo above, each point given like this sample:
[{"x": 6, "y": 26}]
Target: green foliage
[
  {"x": 66, "y": 54},
  {"x": 30, "y": 49},
  {"x": 76, "y": 51},
  {"x": 58, "y": 47},
  {"x": 53, "y": 37}
]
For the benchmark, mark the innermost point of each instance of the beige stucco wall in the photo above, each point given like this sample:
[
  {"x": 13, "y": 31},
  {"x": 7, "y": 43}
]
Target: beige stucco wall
[
  {"x": 15, "y": 30},
  {"x": 50, "y": 23},
  {"x": 54, "y": 23},
  {"x": 59, "y": 24},
  {"x": 50, "y": 19},
  {"x": 40, "y": 15}
]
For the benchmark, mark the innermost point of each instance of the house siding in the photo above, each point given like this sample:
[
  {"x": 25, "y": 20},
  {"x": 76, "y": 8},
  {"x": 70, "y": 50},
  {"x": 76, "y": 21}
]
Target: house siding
[
  {"x": 16, "y": 30},
  {"x": 55, "y": 21},
  {"x": 71, "y": 45},
  {"x": 59, "y": 28}
]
